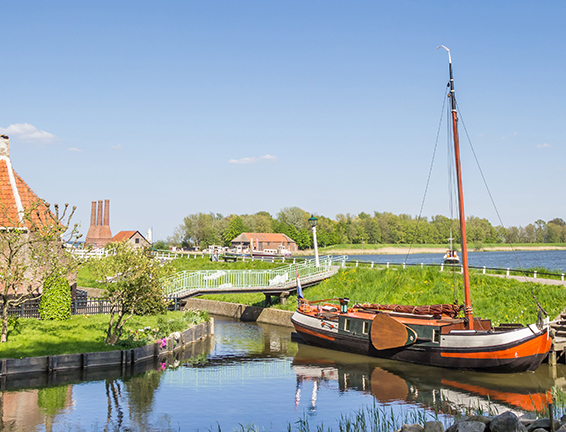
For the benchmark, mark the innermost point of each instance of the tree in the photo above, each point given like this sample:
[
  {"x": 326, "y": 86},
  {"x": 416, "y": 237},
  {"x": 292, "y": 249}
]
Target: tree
[
  {"x": 132, "y": 281},
  {"x": 32, "y": 250},
  {"x": 294, "y": 216},
  {"x": 235, "y": 228}
]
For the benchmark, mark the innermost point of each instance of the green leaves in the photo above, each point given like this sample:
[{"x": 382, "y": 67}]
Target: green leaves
[
  {"x": 132, "y": 281},
  {"x": 56, "y": 300}
]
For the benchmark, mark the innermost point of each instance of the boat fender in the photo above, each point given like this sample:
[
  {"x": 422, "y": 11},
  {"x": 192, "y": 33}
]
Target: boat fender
[{"x": 388, "y": 333}]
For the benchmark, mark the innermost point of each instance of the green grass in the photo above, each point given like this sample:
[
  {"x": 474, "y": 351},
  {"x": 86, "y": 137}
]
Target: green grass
[
  {"x": 85, "y": 278},
  {"x": 204, "y": 263},
  {"x": 498, "y": 299},
  {"x": 84, "y": 333}
]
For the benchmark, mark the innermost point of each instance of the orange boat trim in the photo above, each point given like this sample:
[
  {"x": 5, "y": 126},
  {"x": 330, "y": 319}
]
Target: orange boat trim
[
  {"x": 540, "y": 344},
  {"x": 307, "y": 331},
  {"x": 529, "y": 402}
]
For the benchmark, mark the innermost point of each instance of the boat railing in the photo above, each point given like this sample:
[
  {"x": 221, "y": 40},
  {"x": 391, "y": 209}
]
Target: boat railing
[{"x": 280, "y": 277}]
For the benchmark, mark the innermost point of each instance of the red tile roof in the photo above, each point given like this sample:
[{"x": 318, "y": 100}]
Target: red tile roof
[
  {"x": 16, "y": 196},
  {"x": 123, "y": 235},
  {"x": 268, "y": 237}
]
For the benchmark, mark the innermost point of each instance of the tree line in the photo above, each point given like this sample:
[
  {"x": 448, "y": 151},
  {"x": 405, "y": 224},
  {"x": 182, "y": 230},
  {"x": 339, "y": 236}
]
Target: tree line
[{"x": 205, "y": 229}]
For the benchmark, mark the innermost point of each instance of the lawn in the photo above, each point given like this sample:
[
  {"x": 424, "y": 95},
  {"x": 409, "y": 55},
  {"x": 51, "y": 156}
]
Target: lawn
[{"x": 31, "y": 337}]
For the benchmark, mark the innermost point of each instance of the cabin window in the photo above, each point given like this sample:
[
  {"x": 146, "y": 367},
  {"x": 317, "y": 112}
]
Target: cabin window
[
  {"x": 347, "y": 324},
  {"x": 366, "y": 327},
  {"x": 436, "y": 336}
]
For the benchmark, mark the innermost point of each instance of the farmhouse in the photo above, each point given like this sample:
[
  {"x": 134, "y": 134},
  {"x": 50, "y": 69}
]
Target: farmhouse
[
  {"x": 261, "y": 241},
  {"x": 134, "y": 238}
]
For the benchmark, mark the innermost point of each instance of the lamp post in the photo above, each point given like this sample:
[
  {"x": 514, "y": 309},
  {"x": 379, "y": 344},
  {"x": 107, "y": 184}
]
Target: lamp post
[{"x": 313, "y": 221}]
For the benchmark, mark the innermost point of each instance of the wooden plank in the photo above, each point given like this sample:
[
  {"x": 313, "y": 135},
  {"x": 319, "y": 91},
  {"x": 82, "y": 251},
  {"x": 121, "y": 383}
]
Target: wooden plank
[{"x": 388, "y": 333}]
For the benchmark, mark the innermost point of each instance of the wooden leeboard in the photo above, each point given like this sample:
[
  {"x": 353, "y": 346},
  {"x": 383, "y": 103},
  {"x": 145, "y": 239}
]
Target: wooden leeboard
[{"x": 388, "y": 333}]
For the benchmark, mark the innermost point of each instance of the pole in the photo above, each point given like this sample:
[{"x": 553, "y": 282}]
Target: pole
[
  {"x": 315, "y": 246},
  {"x": 467, "y": 295}
]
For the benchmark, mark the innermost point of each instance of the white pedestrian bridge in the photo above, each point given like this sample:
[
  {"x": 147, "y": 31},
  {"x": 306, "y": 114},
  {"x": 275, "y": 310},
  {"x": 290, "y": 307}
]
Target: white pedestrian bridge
[{"x": 281, "y": 280}]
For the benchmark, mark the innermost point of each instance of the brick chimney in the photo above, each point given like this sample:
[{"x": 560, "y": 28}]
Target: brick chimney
[
  {"x": 99, "y": 233},
  {"x": 4, "y": 146}
]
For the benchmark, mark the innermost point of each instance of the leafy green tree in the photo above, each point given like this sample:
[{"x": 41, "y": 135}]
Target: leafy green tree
[
  {"x": 541, "y": 231},
  {"x": 160, "y": 245},
  {"x": 132, "y": 282},
  {"x": 31, "y": 251},
  {"x": 556, "y": 232},
  {"x": 294, "y": 216},
  {"x": 235, "y": 228}
]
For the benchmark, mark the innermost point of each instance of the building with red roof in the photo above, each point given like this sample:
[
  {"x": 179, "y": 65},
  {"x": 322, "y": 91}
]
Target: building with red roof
[
  {"x": 16, "y": 198},
  {"x": 133, "y": 237},
  {"x": 261, "y": 241}
]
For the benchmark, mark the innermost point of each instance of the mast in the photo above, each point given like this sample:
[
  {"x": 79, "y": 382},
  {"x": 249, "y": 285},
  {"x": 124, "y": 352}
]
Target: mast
[{"x": 467, "y": 294}]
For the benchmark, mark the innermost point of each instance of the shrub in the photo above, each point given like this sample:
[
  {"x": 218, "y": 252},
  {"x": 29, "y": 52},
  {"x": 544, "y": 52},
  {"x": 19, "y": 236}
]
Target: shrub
[{"x": 56, "y": 300}]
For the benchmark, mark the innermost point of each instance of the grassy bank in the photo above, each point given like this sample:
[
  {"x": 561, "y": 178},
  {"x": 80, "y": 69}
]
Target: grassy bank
[
  {"x": 30, "y": 337},
  {"x": 500, "y": 299}
]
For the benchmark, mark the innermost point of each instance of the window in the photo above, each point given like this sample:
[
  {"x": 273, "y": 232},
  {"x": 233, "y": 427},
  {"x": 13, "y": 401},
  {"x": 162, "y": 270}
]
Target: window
[
  {"x": 347, "y": 323},
  {"x": 366, "y": 327},
  {"x": 137, "y": 240}
]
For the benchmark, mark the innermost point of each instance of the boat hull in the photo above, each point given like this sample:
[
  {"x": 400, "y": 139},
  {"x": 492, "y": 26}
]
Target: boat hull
[{"x": 512, "y": 351}]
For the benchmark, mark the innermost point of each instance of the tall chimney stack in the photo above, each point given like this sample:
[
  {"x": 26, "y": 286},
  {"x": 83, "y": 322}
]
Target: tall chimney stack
[
  {"x": 93, "y": 214},
  {"x": 99, "y": 234},
  {"x": 99, "y": 214},
  {"x": 107, "y": 212}
]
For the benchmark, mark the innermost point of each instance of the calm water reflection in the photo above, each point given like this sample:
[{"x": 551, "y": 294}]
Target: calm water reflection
[{"x": 255, "y": 374}]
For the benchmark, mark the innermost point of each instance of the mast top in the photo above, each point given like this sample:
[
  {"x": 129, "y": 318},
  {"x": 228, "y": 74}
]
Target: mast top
[{"x": 449, "y": 57}]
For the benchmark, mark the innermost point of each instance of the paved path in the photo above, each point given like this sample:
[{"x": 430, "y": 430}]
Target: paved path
[{"x": 532, "y": 279}]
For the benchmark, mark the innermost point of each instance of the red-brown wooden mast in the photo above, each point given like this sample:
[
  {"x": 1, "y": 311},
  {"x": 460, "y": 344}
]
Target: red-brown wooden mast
[{"x": 467, "y": 295}]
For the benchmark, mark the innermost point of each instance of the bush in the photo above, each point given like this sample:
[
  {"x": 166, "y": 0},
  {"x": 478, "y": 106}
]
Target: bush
[{"x": 56, "y": 299}]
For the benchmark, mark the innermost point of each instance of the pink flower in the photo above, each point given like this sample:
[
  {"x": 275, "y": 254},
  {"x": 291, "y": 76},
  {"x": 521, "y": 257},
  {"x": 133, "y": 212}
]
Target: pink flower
[{"x": 163, "y": 342}]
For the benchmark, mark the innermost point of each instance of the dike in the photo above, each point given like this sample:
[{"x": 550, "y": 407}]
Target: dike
[
  {"x": 104, "y": 359},
  {"x": 242, "y": 312}
]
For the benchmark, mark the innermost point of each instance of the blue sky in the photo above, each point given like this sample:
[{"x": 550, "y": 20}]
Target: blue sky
[{"x": 178, "y": 107}]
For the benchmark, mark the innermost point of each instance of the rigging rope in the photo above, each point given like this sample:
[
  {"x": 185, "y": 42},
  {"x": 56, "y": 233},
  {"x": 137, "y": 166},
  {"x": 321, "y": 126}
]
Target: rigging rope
[
  {"x": 495, "y": 206},
  {"x": 424, "y": 197}
]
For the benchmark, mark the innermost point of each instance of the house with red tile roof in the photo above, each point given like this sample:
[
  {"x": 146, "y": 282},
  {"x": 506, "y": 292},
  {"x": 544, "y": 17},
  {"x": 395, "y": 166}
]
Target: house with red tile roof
[
  {"x": 16, "y": 197},
  {"x": 132, "y": 237},
  {"x": 261, "y": 241}
]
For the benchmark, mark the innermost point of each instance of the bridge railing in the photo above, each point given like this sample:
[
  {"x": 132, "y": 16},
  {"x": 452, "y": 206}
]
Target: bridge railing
[{"x": 282, "y": 276}]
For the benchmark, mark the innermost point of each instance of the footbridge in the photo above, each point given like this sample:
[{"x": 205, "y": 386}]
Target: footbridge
[{"x": 278, "y": 281}]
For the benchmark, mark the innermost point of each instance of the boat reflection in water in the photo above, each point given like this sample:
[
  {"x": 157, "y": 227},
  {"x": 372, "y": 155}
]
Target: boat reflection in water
[{"x": 442, "y": 390}]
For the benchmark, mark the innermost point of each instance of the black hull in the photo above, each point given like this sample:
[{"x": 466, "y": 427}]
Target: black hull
[{"x": 418, "y": 354}]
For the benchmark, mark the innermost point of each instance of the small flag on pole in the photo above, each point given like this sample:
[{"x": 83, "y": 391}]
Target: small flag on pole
[{"x": 299, "y": 289}]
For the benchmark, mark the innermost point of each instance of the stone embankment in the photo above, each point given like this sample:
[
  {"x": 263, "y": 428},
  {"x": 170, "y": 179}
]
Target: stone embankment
[
  {"x": 506, "y": 422},
  {"x": 123, "y": 358},
  {"x": 242, "y": 312}
]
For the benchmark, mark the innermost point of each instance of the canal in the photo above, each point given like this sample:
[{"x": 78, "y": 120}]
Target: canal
[{"x": 252, "y": 374}]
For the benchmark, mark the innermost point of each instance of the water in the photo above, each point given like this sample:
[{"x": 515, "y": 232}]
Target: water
[
  {"x": 551, "y": 260},
  {"x": 255, "y": 374}
]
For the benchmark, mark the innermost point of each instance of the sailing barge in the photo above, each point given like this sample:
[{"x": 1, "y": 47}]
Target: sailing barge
[{"x": 430, "y": 335}]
